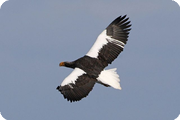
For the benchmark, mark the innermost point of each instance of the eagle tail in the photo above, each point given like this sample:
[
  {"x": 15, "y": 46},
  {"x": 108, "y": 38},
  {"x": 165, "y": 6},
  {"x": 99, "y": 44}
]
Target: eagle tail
[{"x": 110, "y": 78}]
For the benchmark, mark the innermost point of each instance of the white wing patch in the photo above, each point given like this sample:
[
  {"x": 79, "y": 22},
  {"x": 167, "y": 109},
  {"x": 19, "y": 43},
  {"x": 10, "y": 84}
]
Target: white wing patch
[
  {"x": 102, "y": 40},
  {"x": 117, "y": 42},
  {"x": 73, "y": 76}
]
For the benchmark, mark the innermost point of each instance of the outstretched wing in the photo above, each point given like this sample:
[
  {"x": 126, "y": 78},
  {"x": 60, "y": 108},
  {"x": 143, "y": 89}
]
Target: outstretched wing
[
  {"x": 76, "y": 86},
  {"x": 111, "y": 41}
]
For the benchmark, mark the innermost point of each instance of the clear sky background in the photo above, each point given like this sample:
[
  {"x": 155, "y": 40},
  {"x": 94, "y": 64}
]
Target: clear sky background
[{"x": 36, "y": 35}]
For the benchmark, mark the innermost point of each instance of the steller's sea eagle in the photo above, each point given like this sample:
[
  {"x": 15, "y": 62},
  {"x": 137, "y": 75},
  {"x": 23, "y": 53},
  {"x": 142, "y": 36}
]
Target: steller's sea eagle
[{"x": 89, "y": 69}]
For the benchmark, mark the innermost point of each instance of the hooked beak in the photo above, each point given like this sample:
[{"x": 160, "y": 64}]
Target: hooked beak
[{"x": 61, "y": 64}]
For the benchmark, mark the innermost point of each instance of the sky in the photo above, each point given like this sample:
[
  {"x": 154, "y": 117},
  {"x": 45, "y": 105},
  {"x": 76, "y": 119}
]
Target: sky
[{"x": 35, "y": 36}]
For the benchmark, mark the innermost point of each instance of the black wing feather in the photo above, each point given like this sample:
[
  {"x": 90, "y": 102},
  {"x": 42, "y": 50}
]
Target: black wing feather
[
  {"x": 118, "y": 30},
  {"x": 75, "y": 92}
]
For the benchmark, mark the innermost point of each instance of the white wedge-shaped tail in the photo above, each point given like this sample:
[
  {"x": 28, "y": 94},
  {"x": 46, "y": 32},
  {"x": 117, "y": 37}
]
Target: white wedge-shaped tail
[{"x": 110, "y": 77}]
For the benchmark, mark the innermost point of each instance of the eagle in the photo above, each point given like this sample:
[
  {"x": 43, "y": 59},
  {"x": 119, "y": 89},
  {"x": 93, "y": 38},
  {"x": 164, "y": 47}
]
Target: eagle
[{"x": 90, "y": 68}]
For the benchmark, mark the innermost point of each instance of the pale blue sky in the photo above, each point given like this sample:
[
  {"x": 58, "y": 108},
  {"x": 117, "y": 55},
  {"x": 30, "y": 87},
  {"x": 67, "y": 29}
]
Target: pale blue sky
[{"x": 36, "y": 35}]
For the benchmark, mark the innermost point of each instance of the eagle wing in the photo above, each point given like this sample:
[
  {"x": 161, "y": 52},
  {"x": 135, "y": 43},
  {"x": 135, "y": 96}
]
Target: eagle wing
[
  {"x": 77, "y": 85},
  {"x": 110, "y": 43}
]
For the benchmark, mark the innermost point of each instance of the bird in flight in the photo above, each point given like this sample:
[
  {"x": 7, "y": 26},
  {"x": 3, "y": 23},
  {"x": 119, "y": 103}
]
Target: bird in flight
[{"x": 89, "y": 69}]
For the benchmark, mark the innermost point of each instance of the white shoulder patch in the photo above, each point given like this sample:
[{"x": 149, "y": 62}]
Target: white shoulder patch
[
  {"x": 101, "y": 40},
  {"x": 73, "y": 76}
]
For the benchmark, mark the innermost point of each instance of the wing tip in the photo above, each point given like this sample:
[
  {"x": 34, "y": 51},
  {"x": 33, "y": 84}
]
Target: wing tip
[
  {"x": 119, "y": 28},
  {"x": 119, "y": 20},
  {"x": 65, "y": 95}
]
